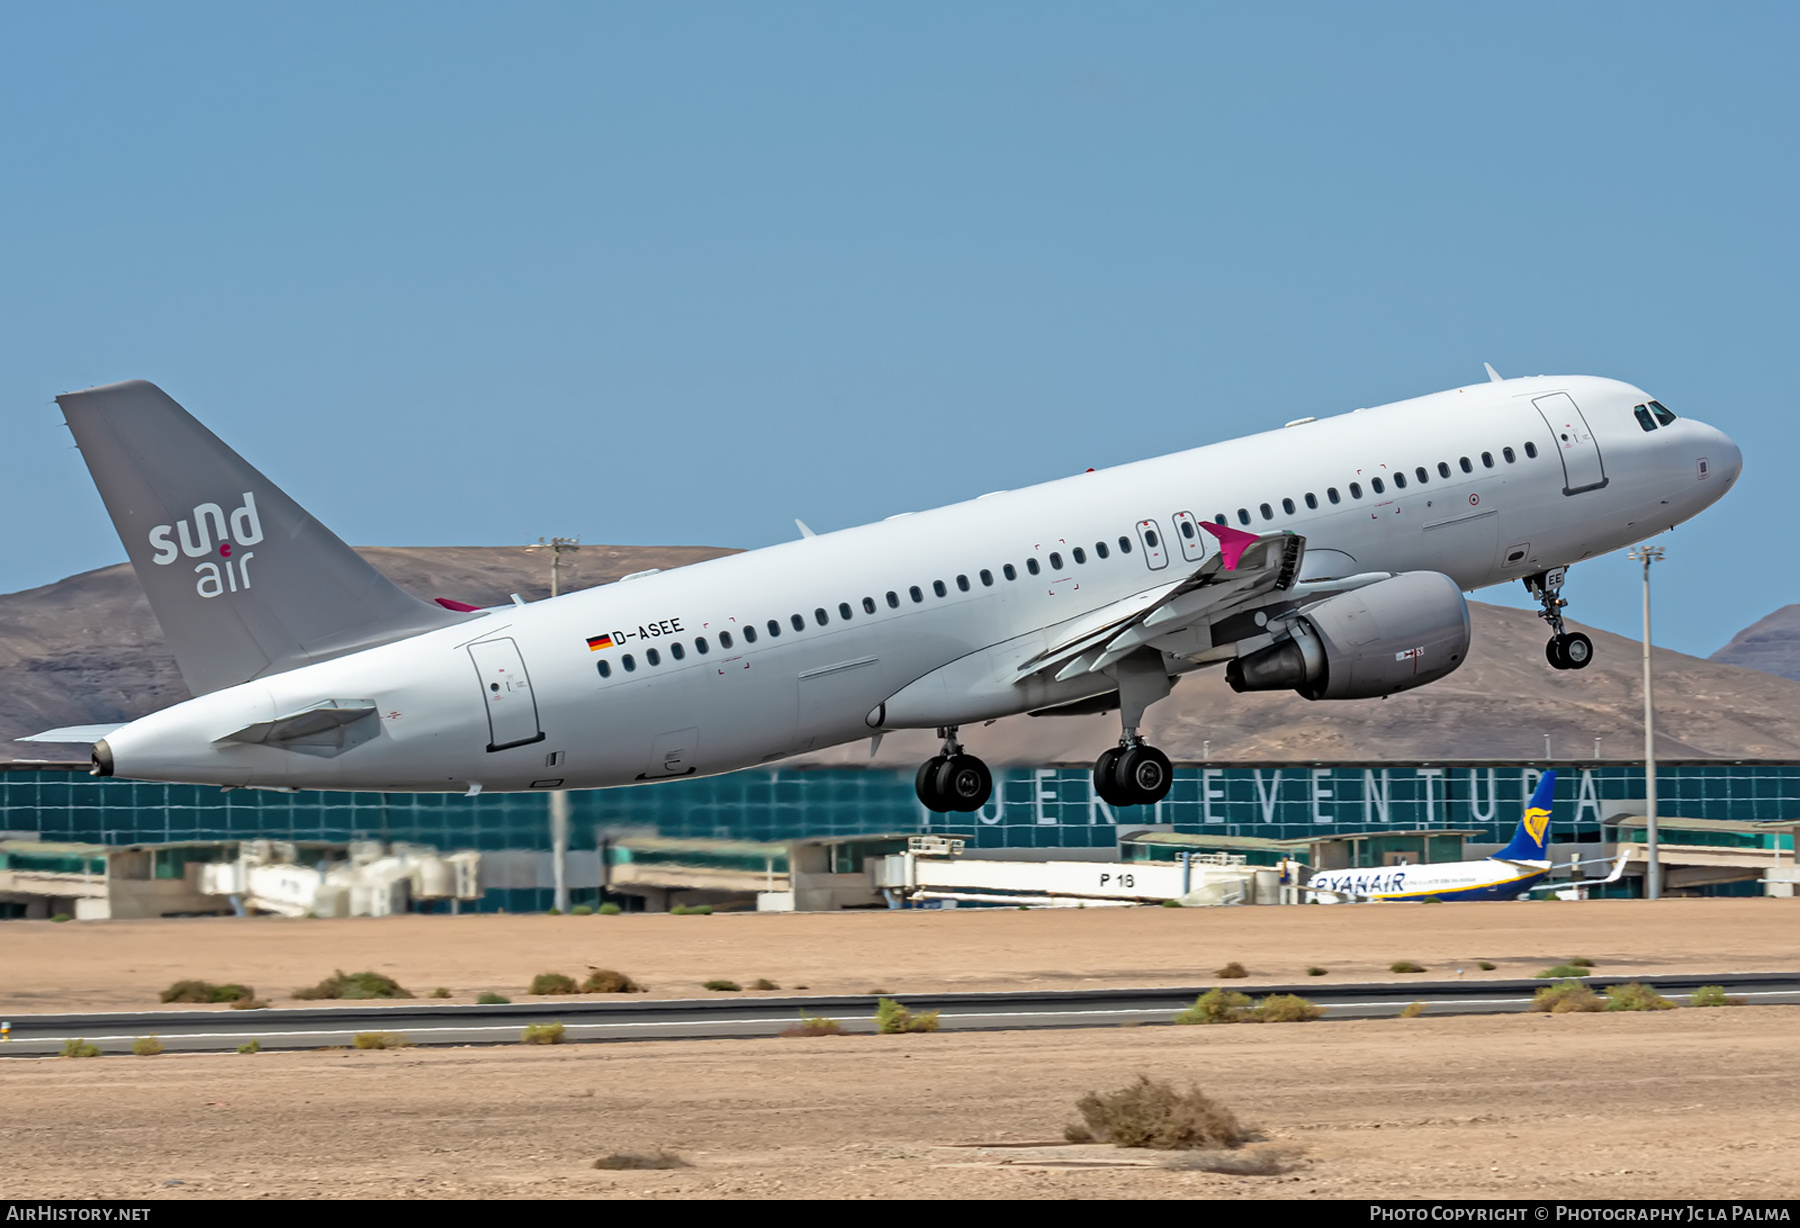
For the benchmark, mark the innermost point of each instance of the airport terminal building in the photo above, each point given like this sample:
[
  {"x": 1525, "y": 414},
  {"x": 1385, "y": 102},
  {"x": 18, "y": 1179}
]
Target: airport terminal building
[{"x": 1049, "y": 808}]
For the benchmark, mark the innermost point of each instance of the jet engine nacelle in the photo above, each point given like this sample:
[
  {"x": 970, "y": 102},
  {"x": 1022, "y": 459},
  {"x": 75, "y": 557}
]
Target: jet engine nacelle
[{"x": 1391, "y": 636}]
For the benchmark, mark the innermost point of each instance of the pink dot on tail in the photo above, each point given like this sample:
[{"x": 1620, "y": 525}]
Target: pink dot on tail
[{"x": 224, "y": 550}]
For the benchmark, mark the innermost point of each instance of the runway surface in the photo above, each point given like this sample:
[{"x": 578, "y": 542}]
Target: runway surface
[{"x": 621, "y": 1018}]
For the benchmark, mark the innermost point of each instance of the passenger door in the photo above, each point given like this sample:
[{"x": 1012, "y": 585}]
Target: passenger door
[
  {"x": 506, "y": 687},
  {"x": 1582, "y": 467}
]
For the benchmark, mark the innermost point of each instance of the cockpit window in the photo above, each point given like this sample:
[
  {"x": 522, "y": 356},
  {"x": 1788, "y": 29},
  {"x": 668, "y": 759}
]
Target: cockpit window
[
  {"x": 1643, "y": 416},
  {"x": 1663, "y": 413}
]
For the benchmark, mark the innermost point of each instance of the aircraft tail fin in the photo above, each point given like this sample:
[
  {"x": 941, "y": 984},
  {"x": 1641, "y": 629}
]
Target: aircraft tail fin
[
  {"x": 243, "y": 580},
  {"x": 1534, "y": 829}
]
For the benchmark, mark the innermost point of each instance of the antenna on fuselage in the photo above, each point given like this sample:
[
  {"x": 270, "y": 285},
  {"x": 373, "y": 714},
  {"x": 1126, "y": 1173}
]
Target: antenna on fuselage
[
  {"x": 804, "y": 531},
  {"x": 1492, "y": 374}
]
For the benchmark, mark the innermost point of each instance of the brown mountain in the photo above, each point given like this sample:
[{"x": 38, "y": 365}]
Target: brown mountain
[
  {"x": 1771, "y": 644},
  {"x": 87, "y": 650}
]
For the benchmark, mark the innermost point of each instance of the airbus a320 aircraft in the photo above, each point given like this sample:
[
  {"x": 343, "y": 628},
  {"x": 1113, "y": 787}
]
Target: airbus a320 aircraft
[{"x": 1329, "y": 557}]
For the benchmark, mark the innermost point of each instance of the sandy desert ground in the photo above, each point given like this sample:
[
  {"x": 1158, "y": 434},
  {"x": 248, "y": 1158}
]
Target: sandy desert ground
[
  {"x": 123, "y": 965},
  {"x": 1680, "y": 1104},
  {"x": 1684, "y": 1103}
]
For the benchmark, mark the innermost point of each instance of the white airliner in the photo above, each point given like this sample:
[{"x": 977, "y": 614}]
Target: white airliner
[
  {"x": 1521, "y": 867},
  {"x": 1329, "y": 557}
]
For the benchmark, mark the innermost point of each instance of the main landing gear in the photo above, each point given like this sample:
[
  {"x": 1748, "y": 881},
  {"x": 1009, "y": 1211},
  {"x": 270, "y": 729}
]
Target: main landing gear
[
  {"x": 1566, "y": 649},
  {"x": 953, "y": 781},
  {"x": 1134, "y": 773}
]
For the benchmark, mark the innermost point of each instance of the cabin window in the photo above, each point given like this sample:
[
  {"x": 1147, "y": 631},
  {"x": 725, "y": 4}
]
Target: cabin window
[
  {"x": 799, "y": 623},
  {"x": 725, "y": 636},
  {"x": 628, "y": 662},
  {"x": 774, "y": 628},
  {"x": 1531, "y": 449},
  {"x": 700, "y": 645},
  {"x": 652, "y": 656},
  {"x": 1287, "y": 505},
  {"x": 1487, "y": 460},
  {"x": 1423, "y": 475},
  {"x": 1268, "y": 513},
  {"x": 1443, "y": 469},
  {"x": 1376, "y": 486},
  {"x": 1055, "y": 561},
  {"x": 915, "y": 594},
  {"x": 605, "y": 669},
  {"x": 1100, "y": 550},
  {"x": 893, "y": 600},
  {"x": 1031, "y": 565},
  {"x": 868, "y": 605},
  {"x": 1331, "y": 493},
  {"x": 1243, "y": 515},
  {"x": 844, "y": 610},
  {"x": 1009, "y": 572},
  {"x": 1124, "y": 545},
  {"x": 937, "y": 586},
  {"x": 1399, "y": 482},
  {"x": 1355, "y": 490},
  {"x": 677, "y": 651},
  {"x": 1506, "y": 454},
  {"x": 1642, "y": 413},
  {"x": 749, "y": 634},
  {"x": 1150, "y": 538},
  {"x": 1312, "y": 500},
  {"x": 1079, "y": 555},
  {"x": 1663, "y": 413},
  {"x": 962, "y": 583},
  {"x": 1466, "y": 466},
  {"x": 987, "y": 578},
  {"x": 1187, "y": 530}
]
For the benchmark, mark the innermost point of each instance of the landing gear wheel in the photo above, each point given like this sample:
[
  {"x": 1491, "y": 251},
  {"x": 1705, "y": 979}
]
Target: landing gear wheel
[
  {"x": 1143, "y": 775},
  {"x": 1105, "y": 782},
  {"x": 925, "y": 785},
  {"x": 964, "y": 783},
  {"x": 1577, "y": 650},
  {"x": 1553, "y": 652}
]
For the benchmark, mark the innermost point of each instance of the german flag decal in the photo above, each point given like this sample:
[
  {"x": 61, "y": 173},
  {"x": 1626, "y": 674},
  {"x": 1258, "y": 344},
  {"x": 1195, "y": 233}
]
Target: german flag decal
[{"x": 597, "y": 642}]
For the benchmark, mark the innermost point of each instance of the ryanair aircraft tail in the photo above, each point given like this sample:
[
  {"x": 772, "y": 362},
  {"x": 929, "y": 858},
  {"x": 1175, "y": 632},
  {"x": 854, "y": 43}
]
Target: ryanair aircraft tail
[{"x": 1534, "y": 829}]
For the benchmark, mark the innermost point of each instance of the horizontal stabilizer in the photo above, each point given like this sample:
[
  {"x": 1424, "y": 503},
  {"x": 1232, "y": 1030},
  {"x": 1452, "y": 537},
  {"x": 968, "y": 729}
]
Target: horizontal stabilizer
[
  {"x": 325, "y": 728},
  {"x": 74, "y": 733}
]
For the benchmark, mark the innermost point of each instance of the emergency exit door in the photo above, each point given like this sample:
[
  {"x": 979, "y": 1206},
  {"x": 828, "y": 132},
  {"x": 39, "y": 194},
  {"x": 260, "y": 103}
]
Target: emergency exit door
[{"x": 506, "y": 687}]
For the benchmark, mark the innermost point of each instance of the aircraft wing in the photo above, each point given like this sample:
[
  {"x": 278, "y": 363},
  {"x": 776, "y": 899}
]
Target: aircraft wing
[
  {"x": 1618, "y": 869},
  {"x": 1245, "y": 566}
]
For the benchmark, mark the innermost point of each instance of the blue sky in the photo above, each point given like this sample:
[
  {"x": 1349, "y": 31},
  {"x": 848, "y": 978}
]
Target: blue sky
[{"x": 458, "y": 274}]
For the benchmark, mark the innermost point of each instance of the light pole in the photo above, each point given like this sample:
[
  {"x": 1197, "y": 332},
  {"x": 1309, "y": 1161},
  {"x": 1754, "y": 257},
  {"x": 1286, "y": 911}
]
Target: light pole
[
  {"x": 1653, "y": 867},
  {"x": 559, "y": 798}
]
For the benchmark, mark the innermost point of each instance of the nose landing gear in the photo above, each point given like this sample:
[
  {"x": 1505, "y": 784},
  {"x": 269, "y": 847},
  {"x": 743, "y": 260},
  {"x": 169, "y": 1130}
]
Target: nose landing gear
[
  {"x": 1566, "y": 649},
  {"x": 953, "y": 782}
]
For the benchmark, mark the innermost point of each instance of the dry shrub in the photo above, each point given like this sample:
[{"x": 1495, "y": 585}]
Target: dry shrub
[
  {"x": 353, "y": 987},
  {"x": 892, "y": 1018},
  {"x": 814, "y": 1025},
  {"x": 723, "y": 986},
  {"x": 607, "y": 980},
  {"x": 206, "y": 991},
  {"x": 763, "y": 982},
  {"x": 75, "y": 1047},
  {"x": 1485, "y": 965},
  {"x": 1635, "y": 997},
  {"x": 1216, "y": 1006},
  {"x": 1231, "y": 971},
  {"x": 1561, "y": 972},
  {"x": 662, "y": 1157},
  {"x": 1412, "y": 1010},
  {"x": 1317, "y": 971},
  {"x": 1566, "y": 997},
  {"x": 1405, "y": 965},
  {"x": 250, "y": 1046},
  {"x": 1284, "y": 1008},
  {"x": 1151, "y": 1113},
  {"x": 1712, "y": 995},
  {"x": 490, "y": 998},
  {"x": 440, "y": 992},
  {"x": 542, "y": 1034},
  {"x": 146, "y": 1046},
  {"x": 379, "y": 1040},
  {"x": 552, "y": 983},
  {"x": 609, "y": 910}
]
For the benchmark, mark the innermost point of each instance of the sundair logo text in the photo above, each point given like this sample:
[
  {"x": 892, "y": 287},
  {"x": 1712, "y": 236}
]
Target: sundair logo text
[{"x": 217, "y": 538}]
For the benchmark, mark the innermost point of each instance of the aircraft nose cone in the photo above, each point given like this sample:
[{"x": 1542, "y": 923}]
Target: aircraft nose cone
[{"x": 1731, "y": 458}]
